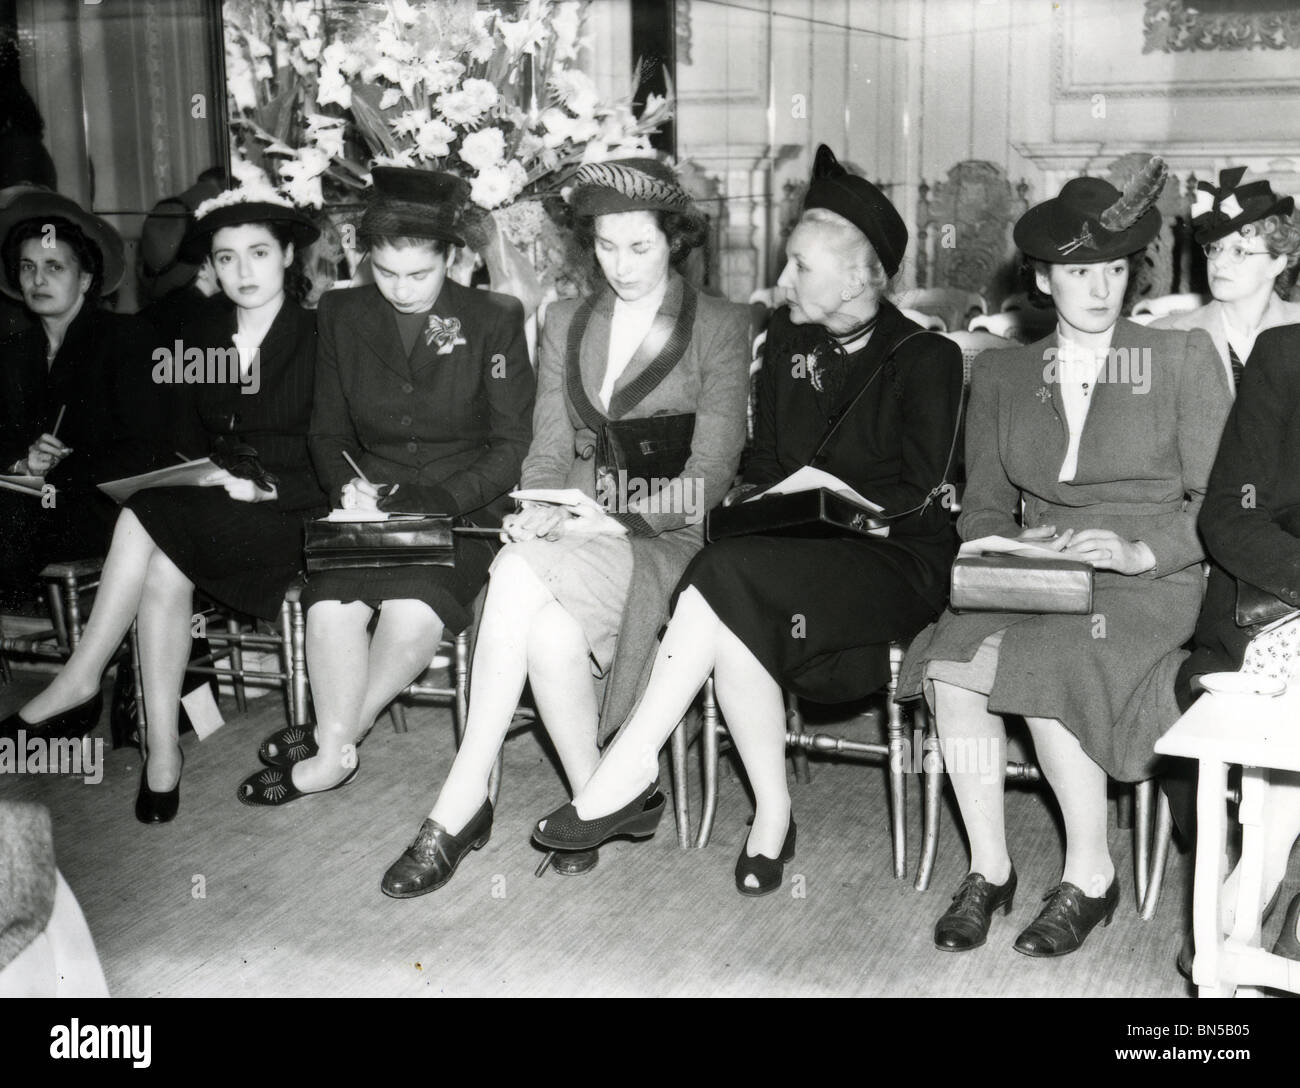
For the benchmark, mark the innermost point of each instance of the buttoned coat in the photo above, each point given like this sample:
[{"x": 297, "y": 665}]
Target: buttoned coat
[
  {"x": 711, "y": 380},
  {"x": 1144, "y": 462}
]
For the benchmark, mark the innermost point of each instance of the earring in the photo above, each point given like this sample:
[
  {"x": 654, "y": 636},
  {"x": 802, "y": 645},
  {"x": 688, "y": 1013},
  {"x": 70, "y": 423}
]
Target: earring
[{"x": 846, "y": 296}]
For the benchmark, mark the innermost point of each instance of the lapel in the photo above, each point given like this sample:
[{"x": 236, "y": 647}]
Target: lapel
[
  {"x": 376, "y": 328},
  {"x": 593, "y": 354},
  {"x": 1052, "y": 402},
  {"x": 425, "y": 354},
  {"x": 642, "y": 358}
]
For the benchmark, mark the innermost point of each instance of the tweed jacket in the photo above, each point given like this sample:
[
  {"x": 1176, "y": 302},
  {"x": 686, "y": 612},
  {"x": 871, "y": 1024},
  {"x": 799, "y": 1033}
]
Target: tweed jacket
[
  {"x": 1144, "y": 463},
  {"x": 455, "y": 423},
  {"x": 1210, "y": 318},
  {"x": 711, "y": 380}
]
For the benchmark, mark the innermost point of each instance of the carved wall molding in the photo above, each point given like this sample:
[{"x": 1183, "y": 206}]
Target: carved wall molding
[{"x": 1173, "y": 26}]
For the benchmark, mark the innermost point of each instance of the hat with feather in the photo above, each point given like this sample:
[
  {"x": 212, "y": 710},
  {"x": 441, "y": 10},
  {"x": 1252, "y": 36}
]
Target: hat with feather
[
  {"x": 1218, "y": 210},
  {"x": 626, "y": 185},
  {"x": 1090, "y": 220},
  {"x": 861, "y": 203}
]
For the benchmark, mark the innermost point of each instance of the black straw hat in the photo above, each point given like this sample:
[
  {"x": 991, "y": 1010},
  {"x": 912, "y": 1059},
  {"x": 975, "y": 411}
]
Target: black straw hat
[
  {"x": 1091, "y": 221},
  {"x": 861, "y": 203},
  {"x": 1219, "y": 210},
  {"x": 237, "y": 207},
  {"x": 40, "y": 204}
]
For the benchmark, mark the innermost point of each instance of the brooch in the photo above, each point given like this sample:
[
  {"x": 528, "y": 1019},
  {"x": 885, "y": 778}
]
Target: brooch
[
  {"x": 444, "y": 333},
  {"x": 1043, "y": 394}
]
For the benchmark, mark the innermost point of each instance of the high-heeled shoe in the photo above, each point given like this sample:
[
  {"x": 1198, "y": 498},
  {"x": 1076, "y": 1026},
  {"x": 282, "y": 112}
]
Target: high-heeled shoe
[
  {"x": 768, "y": 873},
  {"x": 1067, "y": 919},
  {"x": 75, "y": 722},
  {"x": 431, "y": 860},
  {"x": 965, "y": 924},
  {"x": 293, "y": 744},
  {"x": 152, "y": 807},
  {"x": 1288, "y": 941},
  {"x": 563, "y": 829},
  {"x": 1187, "y": 950}
]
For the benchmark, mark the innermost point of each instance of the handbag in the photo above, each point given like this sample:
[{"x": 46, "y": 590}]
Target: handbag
[
  {"x": 1013, "y": 583},
  {"x": 425, "y": 541},
  {"x": 1257, "y": 606}
]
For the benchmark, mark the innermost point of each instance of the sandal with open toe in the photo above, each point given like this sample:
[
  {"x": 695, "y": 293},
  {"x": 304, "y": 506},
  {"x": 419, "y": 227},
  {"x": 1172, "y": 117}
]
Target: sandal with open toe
[
  {"x": 274, "y": 787},
  {"x": 292, "y": 745}
]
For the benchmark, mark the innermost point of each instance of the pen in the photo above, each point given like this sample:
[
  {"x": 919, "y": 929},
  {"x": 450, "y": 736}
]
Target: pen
[
  {"x": 55, "y": 432},
  {"x": 355, "y": 467},
  {"x": 475, "y": 530}
]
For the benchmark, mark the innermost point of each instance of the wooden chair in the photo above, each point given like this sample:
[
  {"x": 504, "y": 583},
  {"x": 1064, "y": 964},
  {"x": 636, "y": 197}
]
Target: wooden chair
[
  {"x": 954, "y": 306},
  {"x": 932, "y": 322},
  {"x": 1166, "y": 305},
  {"x": 1017, "y": 326}
]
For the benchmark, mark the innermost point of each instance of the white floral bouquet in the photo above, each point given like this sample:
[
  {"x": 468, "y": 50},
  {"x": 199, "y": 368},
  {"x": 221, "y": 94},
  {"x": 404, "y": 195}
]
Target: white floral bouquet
[{"x": 320, "y": 92}]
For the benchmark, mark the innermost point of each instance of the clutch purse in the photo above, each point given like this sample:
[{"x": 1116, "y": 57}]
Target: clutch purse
[
  {"x": 649, "y": 448},
  {"x": 1013, "y": 583},
  {"x": 816, "y": 513},
  {"x": 426, "y": 541},
  {"x": 1256, "y": 606}
]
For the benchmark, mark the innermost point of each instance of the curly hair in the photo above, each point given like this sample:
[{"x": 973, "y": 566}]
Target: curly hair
[
  {"x": 296, "y": 284},
  {"x": 1281, "y": 237},
  {"x": 85, "y": 252},
  {"x": 685, "y": 231}
]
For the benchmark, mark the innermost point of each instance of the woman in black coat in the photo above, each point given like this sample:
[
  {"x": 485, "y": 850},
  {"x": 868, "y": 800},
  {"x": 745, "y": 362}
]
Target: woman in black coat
[
  {"x": 427, "y": 387},
  {"x": 815, "y": 616},
  {"x": 1251, "y": 525},
  {"x": 82, "y": 371},
  {"x": 239, "y": 536}
]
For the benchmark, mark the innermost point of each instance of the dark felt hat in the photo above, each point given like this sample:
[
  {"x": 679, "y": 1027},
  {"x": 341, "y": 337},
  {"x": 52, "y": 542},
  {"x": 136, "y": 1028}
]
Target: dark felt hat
[
  {"x": 861, "y": 203},
  {"x": 40, "y": 204},
  {"x": 237, "y": 207},
  {"x": 416, "y": 204},
  {"x": 162, "y": 236},
  {"x": 1218, "y": 210},
  {"x": 626, "y": 185},
  {"x": 1090, "y": 221}
]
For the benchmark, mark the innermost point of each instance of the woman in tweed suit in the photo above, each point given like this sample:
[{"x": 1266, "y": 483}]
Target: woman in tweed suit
[{"x": 576, "y": 600}]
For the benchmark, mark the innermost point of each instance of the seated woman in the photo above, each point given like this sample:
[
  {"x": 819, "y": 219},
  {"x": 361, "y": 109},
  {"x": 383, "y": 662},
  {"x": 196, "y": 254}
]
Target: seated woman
[
  {"x": 1257, "y": 543},
  {"x": 426, "y": 386},
  {"x": 813, "y": 616},
  {"x": 1252, "y": 250},
  {"x": 77, "y": 404},
  {"x": 574, "y": 596},
  {"x": 237, "y": 538},
  {"x": 1102, "y": 435}
]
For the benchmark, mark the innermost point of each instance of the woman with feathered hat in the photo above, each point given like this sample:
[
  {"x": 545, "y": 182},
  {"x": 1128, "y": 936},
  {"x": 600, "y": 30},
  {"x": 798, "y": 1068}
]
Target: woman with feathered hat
[{"x": 1101, "y": 436}]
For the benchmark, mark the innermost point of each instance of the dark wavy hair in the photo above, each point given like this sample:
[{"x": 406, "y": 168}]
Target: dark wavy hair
[
  {"x": 1033, "y": 265},
  {"x": 296, "y": 284},
  {"x": 84, "y": 251},
  {"x": 685, "y": 231}
]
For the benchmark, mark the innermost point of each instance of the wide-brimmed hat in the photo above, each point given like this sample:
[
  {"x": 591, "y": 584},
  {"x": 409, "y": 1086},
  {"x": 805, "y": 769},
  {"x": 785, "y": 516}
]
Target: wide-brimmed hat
[
  {"x": 411, "y": 203},
  {"x": 236, "y": 207},
  {"x": 1218, "y": 210},
  {"x": 39, "y": 204},
  {"x": 1090, "y": 220},
  {"x": 626, "y": 185},
  {"x": 854, "y": 198},
  {"x": 162, "y": 237}
]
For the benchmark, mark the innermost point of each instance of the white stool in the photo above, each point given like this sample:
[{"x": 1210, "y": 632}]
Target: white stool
[{"x": 1261, "y": 734}]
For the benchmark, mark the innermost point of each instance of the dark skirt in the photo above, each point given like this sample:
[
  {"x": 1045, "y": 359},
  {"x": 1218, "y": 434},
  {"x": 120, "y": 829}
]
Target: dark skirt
[
  {"x": 449, "y": 591},
  {"x": 244, "y": 555},
  {"x": 818, "y": 614},
  {"x": 78, "y": 526}
]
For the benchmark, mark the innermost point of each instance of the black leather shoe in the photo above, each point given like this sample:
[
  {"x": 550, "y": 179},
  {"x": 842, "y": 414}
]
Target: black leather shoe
[
  {"x": 768, "y": 873},
  {"x": 1288, "y": 941},
  {"x": 157, "y": 808},
  {"x": 574, "y": 862},
  {"x": 965, "y": 924},
  {"x": 1066, "y": 921},
  {"x": 563, "y": 829},
  {"x": 72, "y": 723},
  {"x": 431, "y": 860}
]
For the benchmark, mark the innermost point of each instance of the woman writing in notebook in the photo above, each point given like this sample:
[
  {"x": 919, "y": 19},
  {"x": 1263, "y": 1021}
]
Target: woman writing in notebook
[
  {"x": 238, "y": 537},
  {"x": 851, "y": 387}
]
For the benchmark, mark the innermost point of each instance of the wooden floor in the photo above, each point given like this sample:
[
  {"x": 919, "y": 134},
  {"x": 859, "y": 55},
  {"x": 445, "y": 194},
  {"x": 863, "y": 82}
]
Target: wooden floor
[{"x": 236, "y": 901}]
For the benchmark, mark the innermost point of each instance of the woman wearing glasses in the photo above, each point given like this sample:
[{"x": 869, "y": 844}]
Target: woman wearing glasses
[{"x": 1252, "y": 250}]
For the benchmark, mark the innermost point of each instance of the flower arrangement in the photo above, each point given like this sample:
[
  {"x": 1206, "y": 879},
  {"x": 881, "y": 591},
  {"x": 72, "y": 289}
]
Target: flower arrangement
[{"x": 319, "y": 93}]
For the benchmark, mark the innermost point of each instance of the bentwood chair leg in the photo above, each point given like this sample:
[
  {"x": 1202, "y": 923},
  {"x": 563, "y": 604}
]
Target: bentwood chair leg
[
  {"x": 709, "y": 807},
  {"x": 72, "y": 609},
  {"x": 137, "y": 673},
  {"x": 1164, "y": 834},
  {"x": 931, "y": 804},
  {"x": 237, "y": 663},
  {"x": 397, "y": 713},
  {"x": 681, "y": 801},
  {"x": 897, "y": 784},
  {"x": 1143, "y": 806},
  {"x": 298, "y": 648},
  {"x": 460, "y": 708},
  {"x": 54, "y": 599},
  {"x": 794, "y": 724},
  {"x": 286, "y": 664}
]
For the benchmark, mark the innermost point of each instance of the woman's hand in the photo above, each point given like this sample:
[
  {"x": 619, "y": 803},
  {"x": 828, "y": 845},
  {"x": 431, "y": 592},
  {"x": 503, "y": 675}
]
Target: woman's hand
[
  {"x": 239, "y": 489},
  {"x": 535, "y": 521},
  {"x": 359, "y": 494},
  {"x": 1109, "y": 551},
  {"x": 43, "y": 454}
]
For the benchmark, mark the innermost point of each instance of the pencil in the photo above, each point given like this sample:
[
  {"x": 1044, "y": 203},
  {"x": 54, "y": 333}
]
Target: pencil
[
  {"x": 475, "y": 530},
  {"x": 55, "y": 433},
  {"x": 355, "y": 467}
]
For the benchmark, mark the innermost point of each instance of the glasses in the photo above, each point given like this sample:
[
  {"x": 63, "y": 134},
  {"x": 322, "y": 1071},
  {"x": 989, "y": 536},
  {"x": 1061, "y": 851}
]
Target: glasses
[{"x": 1217, "y": 251}]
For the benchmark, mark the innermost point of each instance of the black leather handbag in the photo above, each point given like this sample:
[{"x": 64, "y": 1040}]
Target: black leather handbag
[
  {"x": 649, "y": 448},
  {"x": 426, "y": 541},
  {"x": 1256, "y": 607}
]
